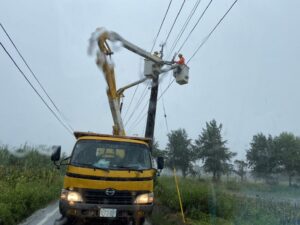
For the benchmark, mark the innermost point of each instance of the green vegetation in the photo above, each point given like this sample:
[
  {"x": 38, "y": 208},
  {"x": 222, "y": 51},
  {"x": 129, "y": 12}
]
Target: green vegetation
[
  {"x": 269, "y": 157},
  {"x": 272, "y": 159},
  {"x": 205, "y": 203},
  {"x": 28, "y": 181},
  {"x": 180, "y": 151},
  {"x": 211, "y": 149},
  {"x": 241, "y": 169}
]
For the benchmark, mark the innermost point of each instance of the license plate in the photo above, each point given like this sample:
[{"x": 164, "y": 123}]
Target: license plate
[{"x": 108, "y": 212}]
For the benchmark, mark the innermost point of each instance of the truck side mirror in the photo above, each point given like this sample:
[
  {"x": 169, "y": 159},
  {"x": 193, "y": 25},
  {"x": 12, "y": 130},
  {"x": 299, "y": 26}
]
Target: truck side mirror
[
  {"x": 55, "y": 156},
  {"x": 160, "y": 162}
]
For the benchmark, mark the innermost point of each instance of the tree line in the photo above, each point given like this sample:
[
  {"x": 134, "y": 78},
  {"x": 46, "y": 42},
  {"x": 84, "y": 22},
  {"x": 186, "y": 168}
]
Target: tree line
[{"x": 267, "y": 157}]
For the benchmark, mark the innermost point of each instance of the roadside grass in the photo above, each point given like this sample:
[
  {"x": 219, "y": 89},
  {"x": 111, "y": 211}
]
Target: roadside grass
[
  {"x": 271, "y": 191},
  {"x": 28, "y": 181},
  {"x": 163, "y": 215},
  {"x": 206, "y": 203}
]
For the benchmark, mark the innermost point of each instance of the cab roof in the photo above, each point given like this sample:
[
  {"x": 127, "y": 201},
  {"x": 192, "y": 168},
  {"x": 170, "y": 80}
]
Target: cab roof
[{"x": 79, "y": 134}]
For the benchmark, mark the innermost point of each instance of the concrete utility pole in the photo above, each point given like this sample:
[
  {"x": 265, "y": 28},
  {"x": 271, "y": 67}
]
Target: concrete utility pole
[{"x": 150, "y": 126}]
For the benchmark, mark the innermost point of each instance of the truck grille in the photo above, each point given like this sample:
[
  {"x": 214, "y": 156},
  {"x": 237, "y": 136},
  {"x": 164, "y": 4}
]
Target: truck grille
[{"x": 100, "y": 197}]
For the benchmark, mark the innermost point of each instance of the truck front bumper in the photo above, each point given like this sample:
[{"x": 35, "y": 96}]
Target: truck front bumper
[{"x": 84, "y": 210}]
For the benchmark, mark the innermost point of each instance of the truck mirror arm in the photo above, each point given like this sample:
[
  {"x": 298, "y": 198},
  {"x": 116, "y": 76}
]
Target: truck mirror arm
[{"x": 61, "y": 163}]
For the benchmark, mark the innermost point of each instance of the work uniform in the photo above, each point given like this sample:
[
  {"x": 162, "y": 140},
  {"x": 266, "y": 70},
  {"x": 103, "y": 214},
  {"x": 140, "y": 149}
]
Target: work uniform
[{"x": 181, "y": 61}]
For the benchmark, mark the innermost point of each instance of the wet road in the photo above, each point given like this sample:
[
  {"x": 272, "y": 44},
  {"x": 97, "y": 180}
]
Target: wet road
[
  {"x": 49, "y": 216},
  {"x": 46, "y": 216}
]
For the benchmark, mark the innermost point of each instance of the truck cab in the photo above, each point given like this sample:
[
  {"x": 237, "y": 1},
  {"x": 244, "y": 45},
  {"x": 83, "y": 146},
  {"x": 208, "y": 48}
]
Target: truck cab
[{"x": 108, "y": 178}]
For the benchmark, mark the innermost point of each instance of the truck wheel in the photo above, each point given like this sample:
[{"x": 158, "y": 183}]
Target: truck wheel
[
  {"x": 70, "y": 221},
  {"x": 64, "y": 221},
  {"x": 139, "y": 221}
]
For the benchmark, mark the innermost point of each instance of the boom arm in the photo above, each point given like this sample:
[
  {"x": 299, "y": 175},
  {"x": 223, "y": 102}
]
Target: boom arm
[
  {"x": 103, "y": 61},
  {"x": 109, "y": 74},
  {"x": 113, "y": 36},
  {"x": 104, "y": 64}
]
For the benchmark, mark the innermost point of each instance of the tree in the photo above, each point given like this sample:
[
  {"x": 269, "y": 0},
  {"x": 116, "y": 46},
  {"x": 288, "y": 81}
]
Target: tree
[
  {"x": 156, "y": 151},
  {"x": 180, "y": 151},
  {"x": 211, "y": 148},
  {"x": 288, "y": 149},
  {"x": 240, "y": 168},
  {"x": 262, "y": 157}
]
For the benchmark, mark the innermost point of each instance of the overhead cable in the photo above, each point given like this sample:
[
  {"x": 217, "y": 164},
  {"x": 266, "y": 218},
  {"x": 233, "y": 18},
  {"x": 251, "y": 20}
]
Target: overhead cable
[
  {"x": 169, "y": 85},
  {"x": 165, "y": 114},
  {"x": 211, "y": 32},
  {"x": 135, "y": 90},
  {"x": 184, "y": 27},
  {"x": 35, "y": 90},
  {"x": 140, "y": 118},
  {"x": 137, "y": 104},
  {"x": 192, "y": 30},
  {"x": 161, "y": 25},
  {"x": 184, "y": 1},
  {"x": 137, "y": 86},
  {"x": 35, "y": 77}
]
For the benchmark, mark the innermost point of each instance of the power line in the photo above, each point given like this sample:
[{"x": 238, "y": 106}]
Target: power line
[
  {"x": 35, "y": 90},
  {"x": 132, "y": 97},
  {"x": 161, "y": 25},
  {"x": 35, "y": 77},
  {"x": 140, "y": 117},
  {"x": 211, "y": 32},
  {"x": 175, "y": 20},
  {"x": 184, "y": 27},
  {"x": 138, "y": 121},
  {"x": 165, "y": 115},
  {"x": 192, "y": 30},
  {"x": 200, "y": 18},
  {"x": 131, "y": 101},
  {"x": 137, "y": 104},
  {"x": 161, "y": 96},
  {"x": 169, "y": 85}
]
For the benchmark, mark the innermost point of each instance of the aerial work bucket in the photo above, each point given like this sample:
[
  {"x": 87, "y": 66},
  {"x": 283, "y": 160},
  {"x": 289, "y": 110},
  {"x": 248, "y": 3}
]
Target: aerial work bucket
[{"x": 181, "y": 74}]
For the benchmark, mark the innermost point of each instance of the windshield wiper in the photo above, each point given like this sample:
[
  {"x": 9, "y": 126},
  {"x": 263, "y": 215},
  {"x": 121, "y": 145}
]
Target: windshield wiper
[
  {"x": 130, "y": 168},
  {"x": 91, "y": 166},
  {"x": 100, "y": 168}
]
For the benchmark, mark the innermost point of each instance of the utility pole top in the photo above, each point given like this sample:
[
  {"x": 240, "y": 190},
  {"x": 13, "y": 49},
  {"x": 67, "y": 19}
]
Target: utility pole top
[{"x": 162, "y": 50}]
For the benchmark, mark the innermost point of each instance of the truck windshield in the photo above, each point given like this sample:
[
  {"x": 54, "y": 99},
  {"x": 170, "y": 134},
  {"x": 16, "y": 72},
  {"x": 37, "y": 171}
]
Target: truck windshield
[{"x": 111, "y": 155}]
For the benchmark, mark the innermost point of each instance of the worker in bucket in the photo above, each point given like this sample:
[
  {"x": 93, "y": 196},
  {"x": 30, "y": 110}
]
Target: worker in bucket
[{"x": 181, "y": 60}]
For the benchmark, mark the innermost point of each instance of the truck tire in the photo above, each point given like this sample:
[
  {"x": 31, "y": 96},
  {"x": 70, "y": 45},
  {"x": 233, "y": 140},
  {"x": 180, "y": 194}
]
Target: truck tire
[
  {"x": 70, "y": 221},
  {"x": 64, "y": 221},
  {"x": 139, "y": 221}
]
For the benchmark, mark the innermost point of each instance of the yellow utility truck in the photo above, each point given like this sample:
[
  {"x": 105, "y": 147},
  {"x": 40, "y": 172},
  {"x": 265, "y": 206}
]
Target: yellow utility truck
[{"x": 111, "y": 177}]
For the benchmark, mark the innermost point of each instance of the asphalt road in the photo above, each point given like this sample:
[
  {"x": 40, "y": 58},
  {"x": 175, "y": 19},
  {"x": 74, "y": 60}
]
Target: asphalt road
[
  {"x": 46, "y": 216},
  {"x": 50, "y": 216}
]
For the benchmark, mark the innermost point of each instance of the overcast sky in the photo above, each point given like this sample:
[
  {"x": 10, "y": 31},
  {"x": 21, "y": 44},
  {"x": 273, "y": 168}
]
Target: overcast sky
[{"x": 246, "y": 76}]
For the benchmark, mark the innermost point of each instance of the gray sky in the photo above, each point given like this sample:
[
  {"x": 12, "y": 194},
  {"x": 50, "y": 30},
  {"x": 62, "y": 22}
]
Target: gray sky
[{"x": 246, "y": 76}]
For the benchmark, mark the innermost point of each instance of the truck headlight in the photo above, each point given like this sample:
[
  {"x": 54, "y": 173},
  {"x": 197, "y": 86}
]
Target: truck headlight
[
  {"x": 74, "y": 196},
  {"x": 144, "y": 198},
  {"x": 71, "y": 196}
]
